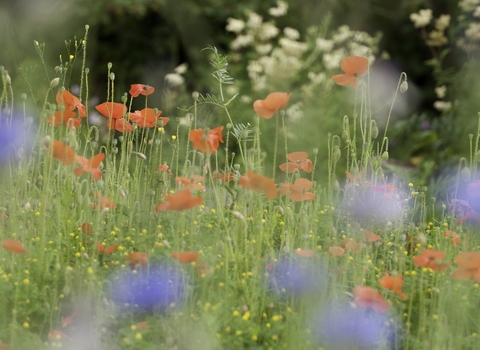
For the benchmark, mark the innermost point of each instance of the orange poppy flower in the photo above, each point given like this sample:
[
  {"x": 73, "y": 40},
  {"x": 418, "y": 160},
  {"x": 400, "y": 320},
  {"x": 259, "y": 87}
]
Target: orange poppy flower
[
  {"x": 193, "y": 183},
  {"x": 369, "y": 297},
  {"x": 111, "y": 110},
  {"x": 64, "y": 117},
  {"x": 454, "y": 237},
  {"x": 142, "y": 326},
  {"x": 62, "y": 152},
  {"x": 370, "y": 236},
  {"x": 148, "y": 118},
  {"x": 274, "y": 102},
  {"x": 137, "y": 259},
  {"x": 395, "y": 284},
  {"x": 297, "y": 160},
  {"x": 468, "y": 266},
  {"x": 69, "y": 319},
  {"x": 141, "y": 89},
  {"x": 227, "y": 177},
  {"x": 182, "y": 200},
  {"x": 353, "y": 66},
  {"x": 165, "y": 167},
  {"x": 56, "y": 334},
  {"x": 305, "y": 253},
  {"x": 207, "y": 141},
  {"x": 86, "y": 228},
  {"x": 119, "y": 124},
  {"x": 65, "y": 98},
  {"x": 101, "y": 248},
  {"x": 298, "y": 191},
  {"x": 259, "y": 183},
  {"x": 353, "y": 245},
  {"x": 89, "y": 166},
  {"x": 186, "y": 257},
  {"x": 103, "y": 202},
  {"x": 432, "y": 259},
  {"x": 13, "y": 246},
  {"x": 336, "y": 251}
]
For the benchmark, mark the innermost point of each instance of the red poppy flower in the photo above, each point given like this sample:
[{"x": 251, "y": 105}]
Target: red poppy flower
[
  {"x": 165, "y": 167},
  {"x": 274, "y": 102},
  {"x": 468, "y": 266},
  {"x": 112, "y": 110},
  {"x": 182, "y": 200},
  {"x": 120, "y": 124},
  {"x": 353, "y": 66},
  {"x": 56, "y": 334},
  {"x": 298, "y": 191},
  {"x": 224, "y": 177},
  {"x": 148, "y": 118},
  {"x": 141, "y": 89},
  {"x": 297, "y": 160},
  {"x": 101, "y": 248},
  {"x": 369, "y": 297},
  {"x": 186, "y": 257},
  {"x": 370, "y": 236},
  {"x": 62, "y": 152},
  {"x": 13, "y": 246},
  {"x": 64, "y": 117},
  {"x": 65, "y": 98},
  {"x": 193, "y": 183},
  {"x": 207, "y": 141},
  {"x": 142, "y": 326},
  {"x": 69, "y": 319},
  {"x": 86, "y": 228},
  {"x": 454, "y": 237},
  {"x": 432, "y": 259},
  {"x": 336, "y": 251},
  {"x": 137, "y": 259},
  {"x": 89, "y": 166},
  {"x": 259, "y": 184},
  {"x": 305, "y": 253},
  {"x": 395, "y": 284},
  {"x": 353, "y": 245},
  {"x": 103, "y": 202}
]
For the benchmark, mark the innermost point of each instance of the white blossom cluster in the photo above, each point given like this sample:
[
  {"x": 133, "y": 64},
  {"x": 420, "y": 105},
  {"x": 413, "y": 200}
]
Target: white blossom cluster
[{"x": 471, "y": 39}]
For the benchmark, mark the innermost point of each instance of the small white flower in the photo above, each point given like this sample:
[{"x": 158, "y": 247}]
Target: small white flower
[
  {"x": 280, "y": 10},
  {"x": 476, "y": 13},
  {"x": 263, "y": 49},
  {"x": 268, "y": 31},
  {"x": 241, "y": 41},
  {"x": 442, "y": 22},
  {"x": 473, "y": 31},
  {"x": 422, "y": 18},
  {"x": 440, "y": 91},
  {"x": 468, "y": 5},
  {"x": 324, "y": 44},
  {"x": 174, "y": 79},
  {"x": 254, "y": 20},
  {"x": 442, "y": 106},
  {"x": 332, "y": 60},
  {"x": 291, "y": 33},
  {"x": 292, "y": 47},
  {"x": 235, "y": 25},
  {"x": 181, "y": 69}
]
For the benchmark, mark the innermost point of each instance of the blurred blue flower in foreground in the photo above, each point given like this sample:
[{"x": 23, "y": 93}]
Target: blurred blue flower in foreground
[
  {"x": 11, "y": 137},
  {"x": 296, "y": 275},
  {"x": 153, "y": 289},
  {"x": 346, "y": 327}
]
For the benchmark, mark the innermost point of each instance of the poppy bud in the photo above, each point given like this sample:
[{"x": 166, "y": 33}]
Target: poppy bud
[
  {"x": 195, "y": 95},
  {"x": 315, "y": 151},
  {"x": 336, "y": 154},
  {"x": 114, "y": 150},
  {"x": 87, "y": 70},
  {"x": 346, "y": 122},
  {"x": 124, "y": 97},
  {"x": 280, "y": 210},
  {"x": 23, "y": 96},
  {"x": 385, "y": 155},
  {"x": 27, "y": 206},
  {"x": 109, "y": 65},
  {"x": 140, "y": 155},
  {"x": 403, "y": 87},
  {"x": 345, "y": 135},
  {"x": 112, "y": 76},
  {"x": 238, "y": 215},
  {"x": 54, "y": 83},
  {"x": 8, "y": 80},
  {"x": 465, "y": 174},
  {"x": 236, "y": 166}
]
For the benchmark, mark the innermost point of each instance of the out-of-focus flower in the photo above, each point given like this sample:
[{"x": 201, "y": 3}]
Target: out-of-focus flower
[
  {"x": 422, "y": 18},
  {"x": 293, "y": 275},
  {"x": 259, "y": 184},
  {"x": 235, "y": 25},
  {"x": 153, "y": 289},
  {"x": 468, "y": 266},
  {"x": 395, "y": 284},
  {"x": 275, "y": 101},
  {"x": 89, "y": 166},
  {"x": 370, "y": 298},
  {"x": 182, "y": 200},
  {"x": 13, "y": 246},
  {"x": 433, "y": 259},
  {"x": 340, "y": 326},
  {"x": 141, "y": 89},
  {"x": 353, "y": 66},
  {"x": 174, "y": 79},
  {"x": 280, "y": 10},
  {"x": 297, "y": 160}
]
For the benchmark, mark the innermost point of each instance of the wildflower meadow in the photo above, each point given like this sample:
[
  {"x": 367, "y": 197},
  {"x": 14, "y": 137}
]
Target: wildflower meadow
[{"x": 236, "y": 216}]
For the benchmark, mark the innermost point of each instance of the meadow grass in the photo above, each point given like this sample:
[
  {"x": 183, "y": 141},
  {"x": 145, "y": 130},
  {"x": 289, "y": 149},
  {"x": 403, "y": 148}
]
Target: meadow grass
[{"x": 168, "y": 241}]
